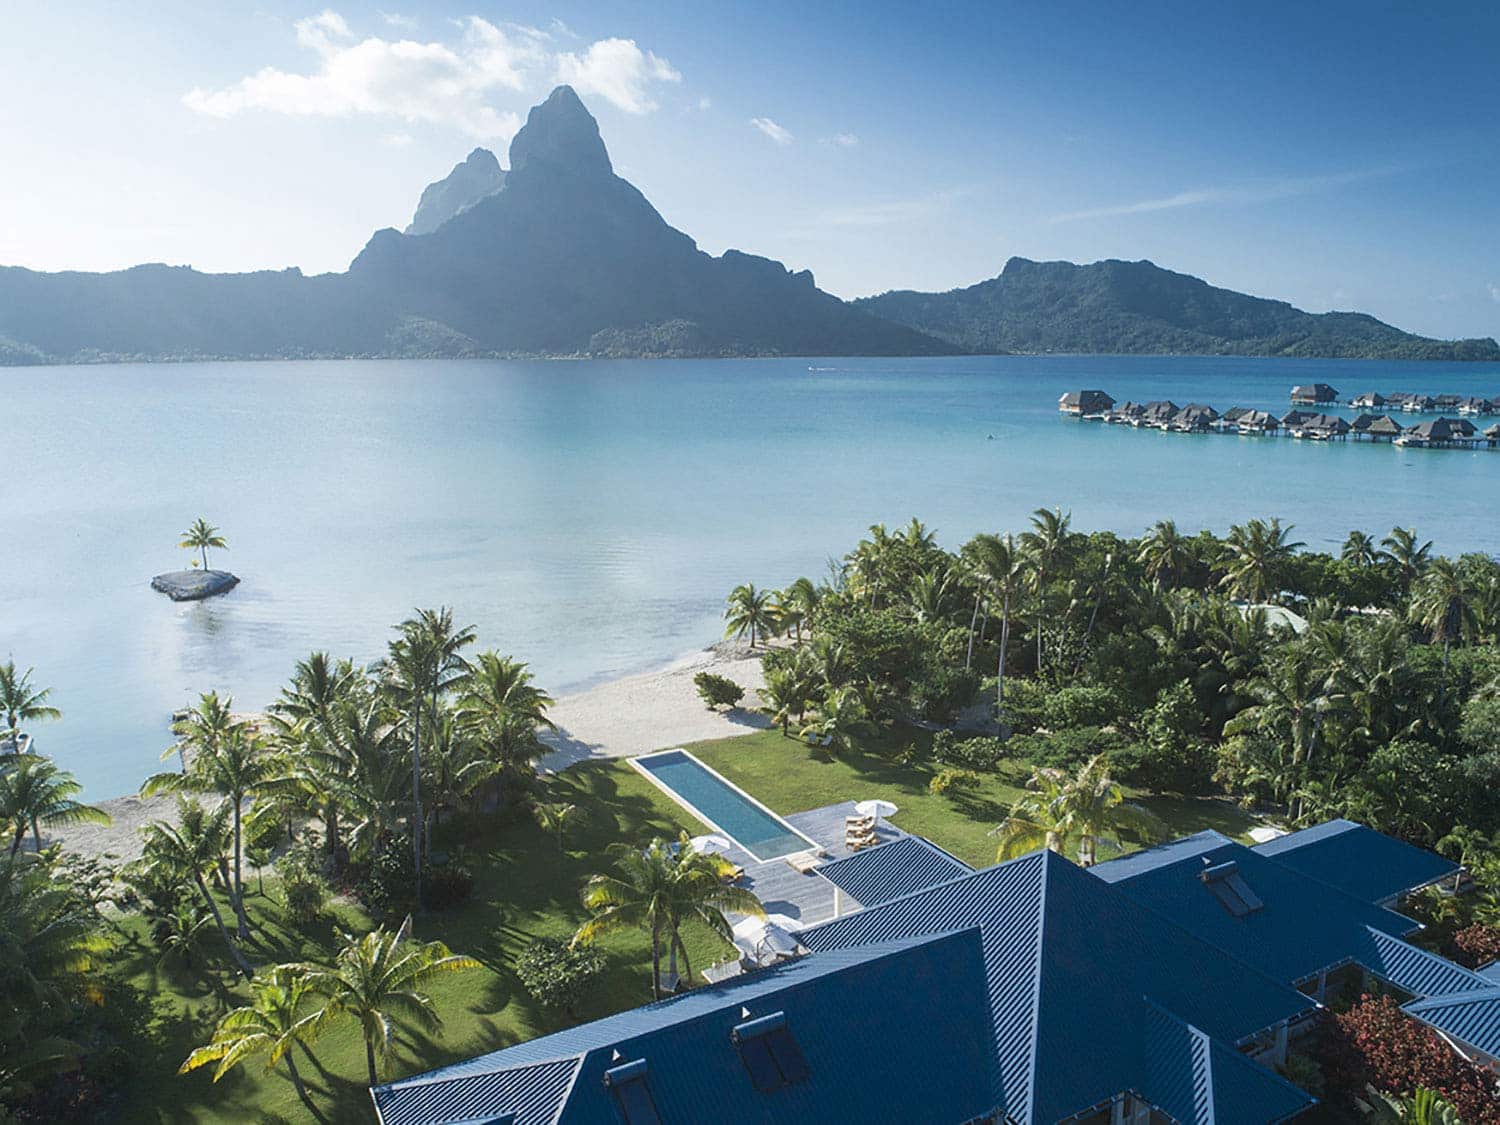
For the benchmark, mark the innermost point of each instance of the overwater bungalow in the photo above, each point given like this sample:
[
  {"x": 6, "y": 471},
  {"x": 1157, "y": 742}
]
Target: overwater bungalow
[
  {"x": 1462, "y": 427},
  {"x": 1438, "y": 434},
  {"x": 1085, "y": 403},
  {"x": 1476, "y": 406},
  {"x": 1370, "y": 400},
  {"x": 1194, "y": 418},
  {"x": 1375, "y": 427},
  {"x": 1492, "y": 435},
  {"x": 1312, "y": 394},
  {"x": 1125, "y": 413},
  {"x": 1257, "y": 422},
  {"x": 1158, "y": 414},
  {"x": 1418, "y": 404},
  {"x": 1446, "y": 402},
  {"x": 1294, "y": 418},
  {"x": 1320, "y": 427}
]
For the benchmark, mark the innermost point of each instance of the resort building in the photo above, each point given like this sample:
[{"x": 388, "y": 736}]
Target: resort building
[
  {"x": 1160, "y": 987},
  {"x": 1195, "y": 418},
  {"x": 1376, "y": 427},
  {"x": 1313, "y": 394},
  {"x": 1158, "y": 415},
  {"x": 1476, "y": 406},
  {"x": 1370, "y": 400},
  {"x": 1085, "y": 402}
]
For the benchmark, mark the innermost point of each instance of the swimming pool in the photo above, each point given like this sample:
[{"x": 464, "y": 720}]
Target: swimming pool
[{"x": 722, "y": 805}]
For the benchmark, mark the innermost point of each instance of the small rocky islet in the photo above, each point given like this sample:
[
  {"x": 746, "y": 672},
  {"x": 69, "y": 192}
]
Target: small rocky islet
[{"x": 194, "y": 585}]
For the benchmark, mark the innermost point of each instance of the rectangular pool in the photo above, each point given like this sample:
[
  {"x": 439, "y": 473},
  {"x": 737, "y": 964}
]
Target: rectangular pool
[{"x": 722, "y": 805}]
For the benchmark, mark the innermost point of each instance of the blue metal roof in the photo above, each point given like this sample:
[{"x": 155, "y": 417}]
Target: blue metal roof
[
  {"x": 1414, "y": 970},
  {"x": 1066, "y": 956},
  {"x": 1300, "y": 927},
  {"x": 852, "y": 1015},
  {"x": 1470, "y": 1017},
  {"x": 1358, "y": 860},
  {"x": 891, "y": 870},
  {"x": 1200, "y": 1081}
]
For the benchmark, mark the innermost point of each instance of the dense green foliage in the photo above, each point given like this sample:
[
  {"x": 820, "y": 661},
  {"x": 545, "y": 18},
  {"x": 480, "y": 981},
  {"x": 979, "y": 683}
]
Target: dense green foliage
[
  {"x": 1116, "y": 307},
  {"x": 718, "y": 691}
]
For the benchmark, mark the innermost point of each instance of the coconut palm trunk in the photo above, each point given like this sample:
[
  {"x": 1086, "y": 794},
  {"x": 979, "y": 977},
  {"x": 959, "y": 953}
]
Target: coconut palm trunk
[
  {"x": 973, "y": 624},
  {"x": 238, "y": 894},
  {"x": 213, "y": 909},
  {"x": 1000, "y": 666},
  {"x": 656, "y": 960},
  {"x": 370, "y": 1061},
  {"x": 297, "y": 1083},
  {"x": 416, "y": 798}
]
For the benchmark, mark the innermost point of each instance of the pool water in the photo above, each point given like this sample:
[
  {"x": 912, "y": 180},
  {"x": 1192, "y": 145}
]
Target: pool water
[{"x": 722, "y": 806}]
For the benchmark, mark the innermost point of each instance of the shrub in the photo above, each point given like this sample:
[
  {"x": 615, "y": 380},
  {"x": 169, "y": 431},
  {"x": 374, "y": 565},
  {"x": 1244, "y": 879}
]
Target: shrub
[
  {"x": 449, "y": 883},
  {"x": 1375, "y": 1043},
  {"x": 389, "y": 887},
  {"x": 978, "y": 753},
  {"x": 942, "y": 691},
  {"x": 1173, "y": 768},
  {"x": 1479, "y": 944},
  {"x": 1065, "y": 748},
  {"x": 951, "y": 777},
  {"x": 1081, "y": 705},
  {"x": 718, "y": 691},
  {"x": 1304, "y": 1072},
  {"x": 306, "y": 895},
  {"x": 556, "y": 974}
]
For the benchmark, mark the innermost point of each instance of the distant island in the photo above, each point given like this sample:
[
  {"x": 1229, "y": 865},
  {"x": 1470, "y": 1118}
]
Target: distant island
[
  {"x": 558, "y": 256},
  {"x": 1138, "y": 308}
]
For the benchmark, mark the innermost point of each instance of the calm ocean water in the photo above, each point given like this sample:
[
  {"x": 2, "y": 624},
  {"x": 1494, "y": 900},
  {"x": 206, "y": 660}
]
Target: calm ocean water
[{"x": 589, "y": 517}]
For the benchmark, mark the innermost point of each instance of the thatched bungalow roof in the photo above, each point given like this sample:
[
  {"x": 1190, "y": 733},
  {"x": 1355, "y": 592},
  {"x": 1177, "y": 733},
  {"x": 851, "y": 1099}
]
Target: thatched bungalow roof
[
  {"x": 1446, "y": 402},
  {"x": 1314, "y": 393},
  {"x": 1461, "y": 427},
  {"x": 1295, "y": 417},
  {"x": 1235, "y": 413},
  {"x": 1382, "y": 425},
  {"x": 1418, "y": 402},
  {"x": 1196, "y": 414},
  {"x": 1439, "y": 429},
  {"x": 1368, "y": 400},
  {"x": 1493, "y": 433},
  {"x": 1326, "y": 424},
  {"x": 1476, "y": 406},
  {"x": 1257, "y": 420},
  {"x": 1085, "y": 402},
  {"x": 1129, "y": 410},
  {"x": 1161, "y": 410}
]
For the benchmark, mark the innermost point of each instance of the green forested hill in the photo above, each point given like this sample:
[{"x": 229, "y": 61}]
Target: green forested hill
[{"x": 1138, "y": 307}]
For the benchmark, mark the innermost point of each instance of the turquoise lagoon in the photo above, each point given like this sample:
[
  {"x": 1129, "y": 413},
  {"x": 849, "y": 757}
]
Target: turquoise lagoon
[{"x": 590, "y": 516}]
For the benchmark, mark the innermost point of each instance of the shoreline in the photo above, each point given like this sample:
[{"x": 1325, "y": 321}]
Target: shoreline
[{"x": 620, "y": 717}]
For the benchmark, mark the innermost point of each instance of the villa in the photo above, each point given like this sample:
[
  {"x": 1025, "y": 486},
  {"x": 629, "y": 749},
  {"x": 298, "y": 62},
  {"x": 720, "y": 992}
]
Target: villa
[
  {"x": 1160, "y": 987},
  {"x": 1370, "y": 400},
  {"x": 1313, "y": 394},
  {"x": 1094, "y": 404}
]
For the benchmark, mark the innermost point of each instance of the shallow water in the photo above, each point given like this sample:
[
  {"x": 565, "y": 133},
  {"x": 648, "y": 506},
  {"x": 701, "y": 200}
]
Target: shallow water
[{"x": 590, "y": 516}]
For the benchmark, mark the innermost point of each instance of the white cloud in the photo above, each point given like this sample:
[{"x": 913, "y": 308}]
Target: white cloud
[
  {"x": 705, "y": 104},
  {"x": 396, "y": 140},
  {"x": 1494, "y": 292},
  {"x": 618, "y": 71},
  {"x": 845, "y": 140},
  {"x": 399, "y": 21},
  {"x": 1263, "y": 191},
  {"x": 772, "y": 130},
  {"x": 453, "y": 82}
]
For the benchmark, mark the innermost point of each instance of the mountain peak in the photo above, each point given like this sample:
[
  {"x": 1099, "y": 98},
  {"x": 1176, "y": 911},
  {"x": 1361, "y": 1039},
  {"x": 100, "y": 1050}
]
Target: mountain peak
[
  {"x": 478, "y": 176},
  {"x": 561, "y": 135}
]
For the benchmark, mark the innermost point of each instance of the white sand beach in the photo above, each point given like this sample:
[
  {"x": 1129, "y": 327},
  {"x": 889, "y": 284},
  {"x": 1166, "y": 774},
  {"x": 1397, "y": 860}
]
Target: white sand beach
[{"x": 615, "y": 719}]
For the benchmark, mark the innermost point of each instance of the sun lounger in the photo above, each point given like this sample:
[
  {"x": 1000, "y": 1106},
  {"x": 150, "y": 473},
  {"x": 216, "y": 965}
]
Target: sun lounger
[
  {"x": 859, "y": 843},
  {"x": 804, "y": 863},
  {"x": 852, "y": 823}
]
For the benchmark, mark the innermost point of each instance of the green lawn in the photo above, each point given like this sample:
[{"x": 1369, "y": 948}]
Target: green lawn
[{"x": 525, "y": 889}]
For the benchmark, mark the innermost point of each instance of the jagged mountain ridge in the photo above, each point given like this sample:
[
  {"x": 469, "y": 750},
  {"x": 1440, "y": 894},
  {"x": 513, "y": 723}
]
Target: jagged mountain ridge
[
  {"x": 476, "y": 176},
  {"x": 564, "y": 258},
  {"x": 1137, "y": 307}
]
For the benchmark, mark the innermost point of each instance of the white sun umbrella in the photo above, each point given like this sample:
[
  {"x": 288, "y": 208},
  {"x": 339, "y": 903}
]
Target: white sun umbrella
[
  {"x": 878, "y": 808},
  {"x": 712, "y": 844}
]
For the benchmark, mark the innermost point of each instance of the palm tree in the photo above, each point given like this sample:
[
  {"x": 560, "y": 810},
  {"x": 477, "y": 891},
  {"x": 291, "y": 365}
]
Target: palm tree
[
  {"x": 1048, "y": 544},
  {"x": 841, "y": 718},
  {"x": 357, "y": 759},
  {"x": 787, "y": 691},
  {"x": 378, "y": 978},
  {"x": 1288, "y": 709},
  {"x": 1000, "y": 569},
  {"x": 190, "y": 850},
  {"x": 749, "y": 610},
  {"x": 501, "y": 707},
  {"x": 804, "y": 598},
  {"x": 557, "y": 817},
  {"x": 1421, "y": 1107},
  {"x": 1087, "y": 809},
  {"x": 200, "y": 536},
  {"x": 21, "y": 702},
  {"x": 657, "y": 889},
  {"x": 1256, "y": 552},
  {"x": 33, "y": 792},
  {"x": 236, "y": 766},
  {"x": 1360, "y": 550},
  {"x": 274, "y": 1022},
  {"x": 202, "y": 728},
  {"x": 425, "y": 662},
  {"x": 1441, "y": 606},
  {"x": 928, "y": 596},
  {"x": 1401, "y": 549},
  {"x": 1165, "y": 555},
  {"x": 302, "y": 720}
]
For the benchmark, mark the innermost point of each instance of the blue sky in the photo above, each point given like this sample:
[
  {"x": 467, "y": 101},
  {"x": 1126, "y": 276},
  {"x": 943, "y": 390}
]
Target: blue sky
[{"x": 1334, "y": 155}]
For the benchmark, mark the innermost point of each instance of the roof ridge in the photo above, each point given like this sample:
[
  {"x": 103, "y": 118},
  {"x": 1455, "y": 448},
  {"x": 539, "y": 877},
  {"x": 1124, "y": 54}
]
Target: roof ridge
[{"x": 1049, "y": 864}]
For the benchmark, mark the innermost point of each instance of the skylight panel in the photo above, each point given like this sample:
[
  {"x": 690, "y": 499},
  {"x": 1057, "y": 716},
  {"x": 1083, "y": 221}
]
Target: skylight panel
[
  {"x": 632, "y": 1093},
  {"x": 770, "y": 1053}
]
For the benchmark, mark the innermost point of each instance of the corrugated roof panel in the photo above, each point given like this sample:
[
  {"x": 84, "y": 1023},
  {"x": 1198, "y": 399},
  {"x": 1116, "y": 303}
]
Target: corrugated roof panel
[
  {"x": 1358, "y": 860},
  {"x": 1412, "y": 969},
  {"x": 533, "y": 1093},
  {"x": 1470, "y": 1017},
  {"x": 887, "y": 871}
]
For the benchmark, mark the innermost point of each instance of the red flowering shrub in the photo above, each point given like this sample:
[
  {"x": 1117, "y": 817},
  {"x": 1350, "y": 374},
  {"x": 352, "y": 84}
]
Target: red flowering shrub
[
  {"x": 1479, "y": 944},
  {"x": 1378, "y": 1044}
]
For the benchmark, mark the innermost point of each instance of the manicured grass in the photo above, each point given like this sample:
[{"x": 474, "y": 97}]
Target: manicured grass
[
  {"x": 525, "y": 888},
  {"x": 790, "y": 777}
]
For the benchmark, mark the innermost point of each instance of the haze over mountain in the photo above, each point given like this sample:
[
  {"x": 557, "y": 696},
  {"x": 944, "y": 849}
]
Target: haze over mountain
[
  {"x": 477, "y": 176},
  {"x": 565, "y": 258},
  {"x": 560, "y": 256},
  {"x": 1140, "y": 308}
]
